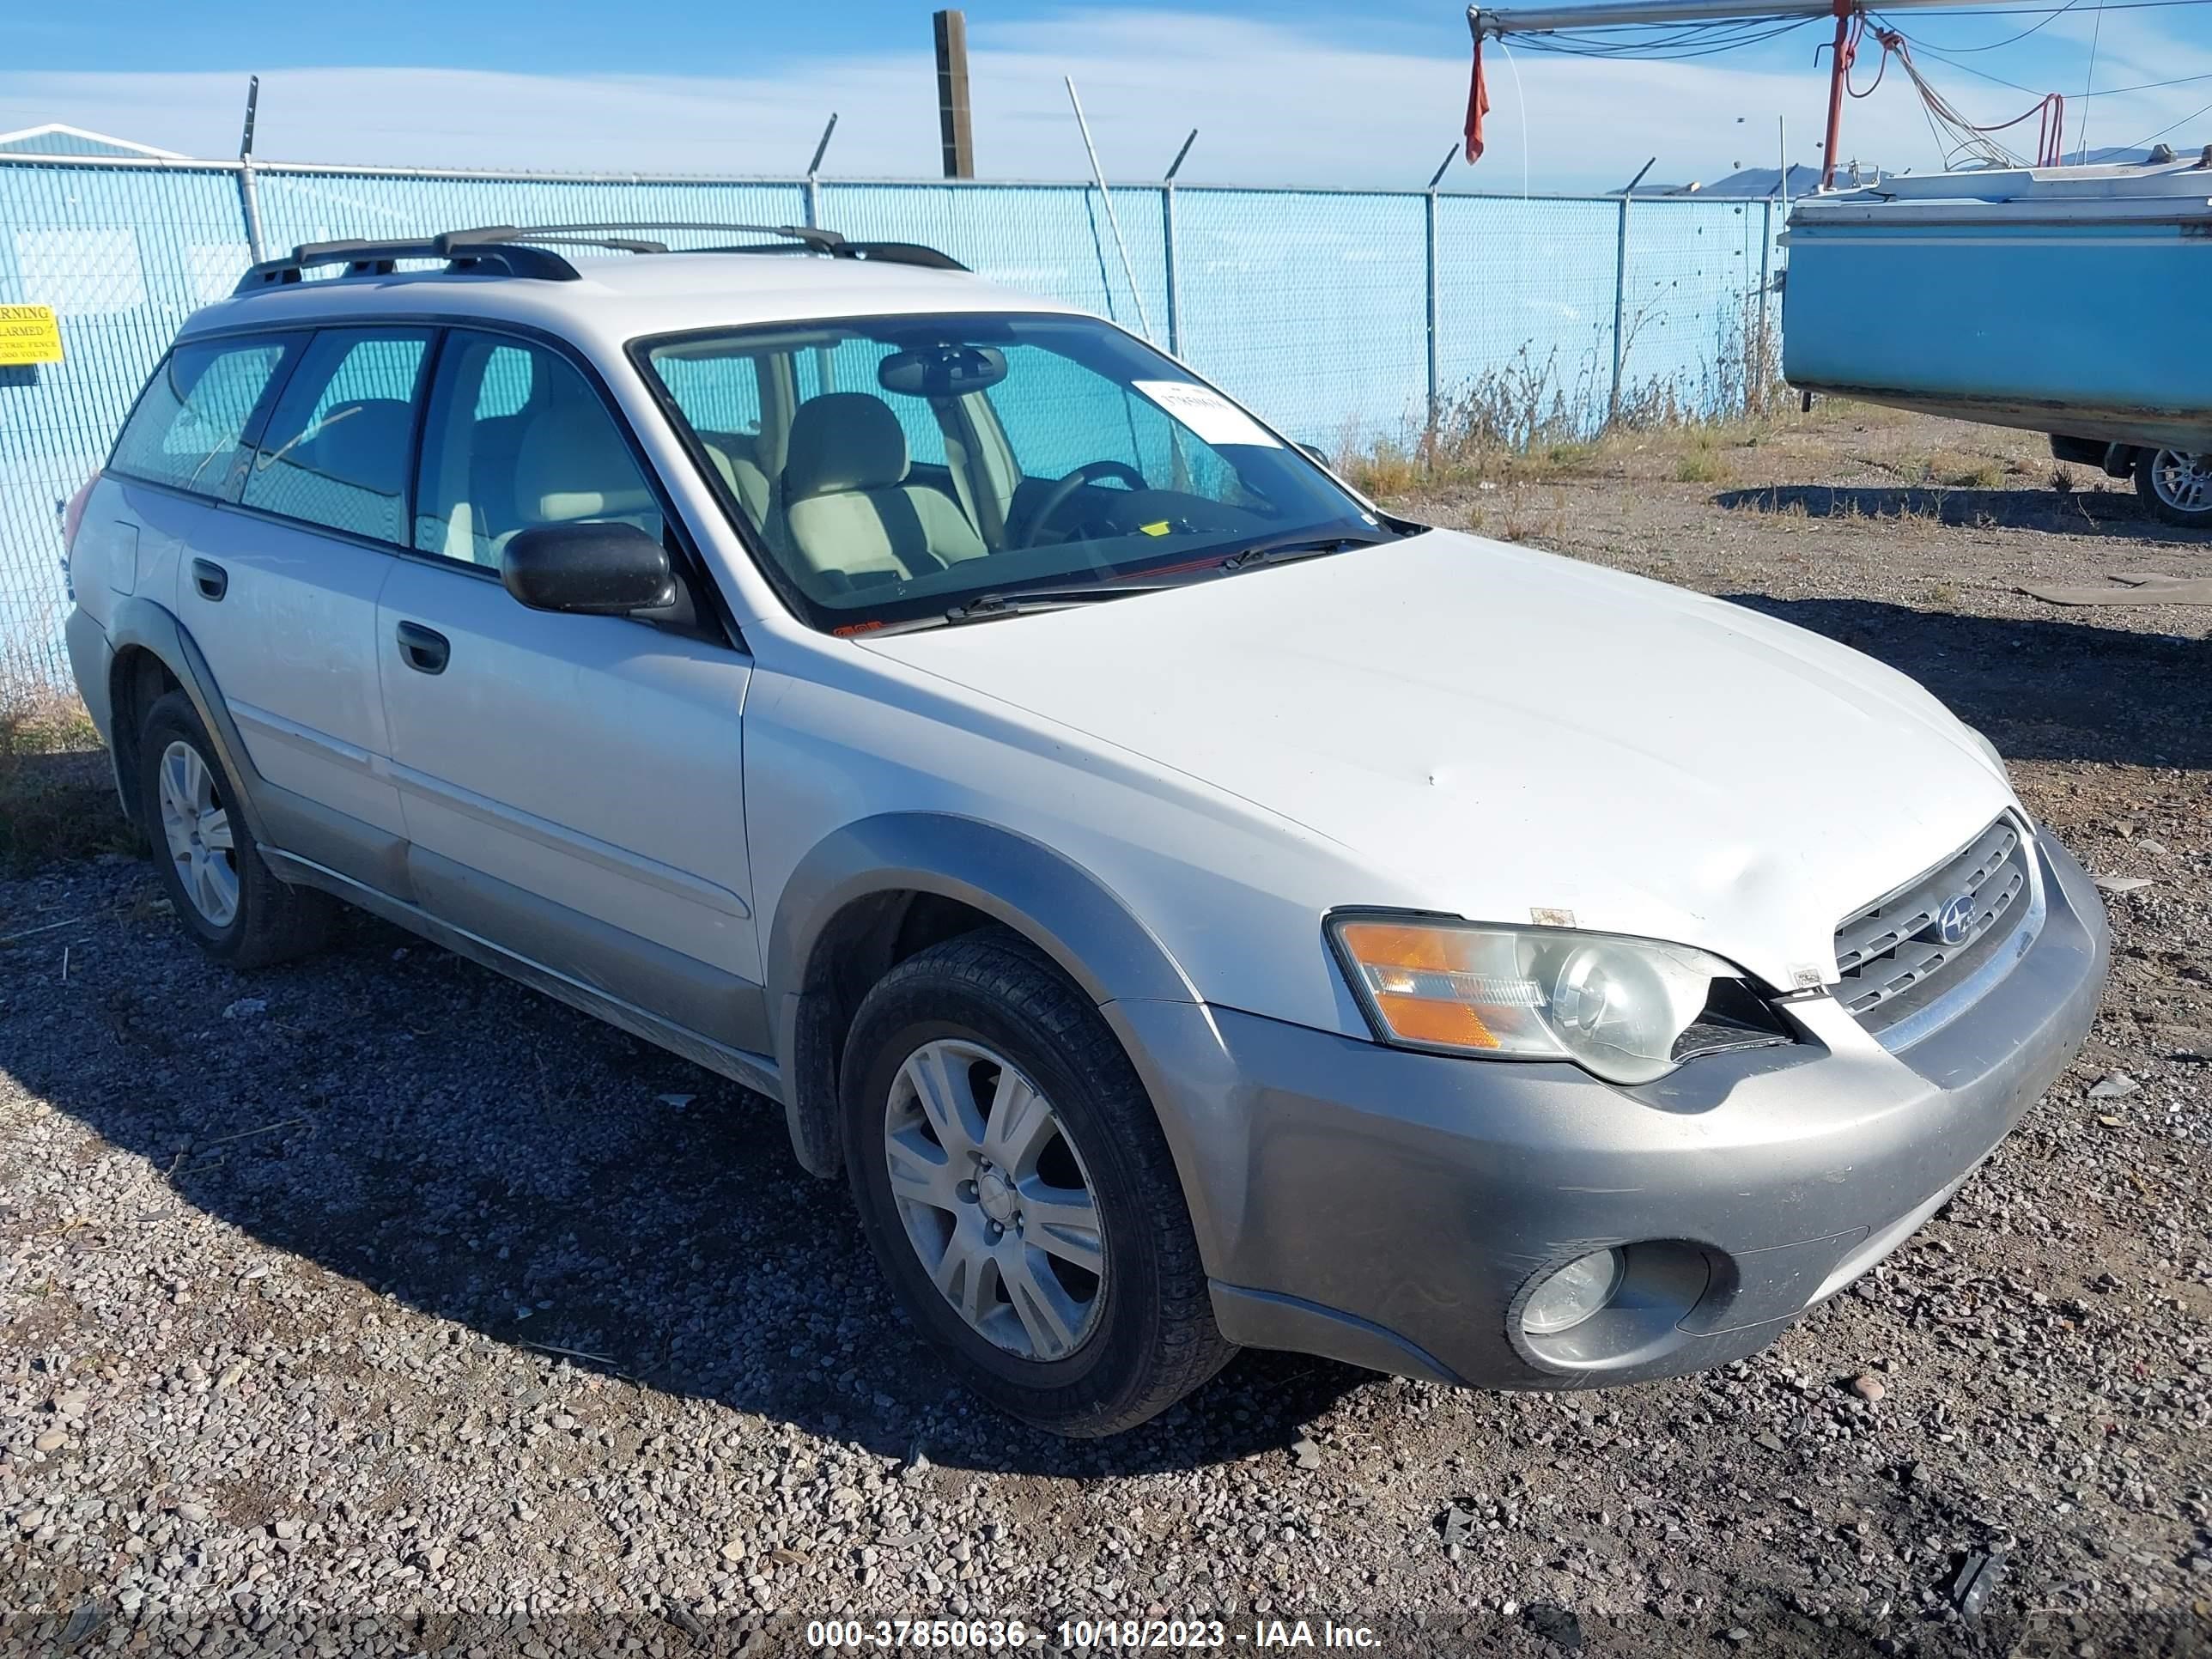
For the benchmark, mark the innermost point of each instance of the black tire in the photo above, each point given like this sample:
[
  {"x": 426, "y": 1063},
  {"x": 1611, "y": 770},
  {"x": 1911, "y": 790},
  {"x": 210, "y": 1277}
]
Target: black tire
[
  {"x": 1153, "y": 1338},
  {"x": 274, "y": 921},
  {"x": 2147, "y": 464}
]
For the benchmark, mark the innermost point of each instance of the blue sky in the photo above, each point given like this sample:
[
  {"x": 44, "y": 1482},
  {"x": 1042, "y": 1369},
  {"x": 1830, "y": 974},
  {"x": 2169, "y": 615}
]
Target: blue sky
[{"x": 1295, "y": 91}]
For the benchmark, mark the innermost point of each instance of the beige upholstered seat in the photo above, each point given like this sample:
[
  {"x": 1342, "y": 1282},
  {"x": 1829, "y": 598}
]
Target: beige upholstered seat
[
  {"x": 572, "y": 466},
  {"x": 745, "y": 478},
  {"x": 849, "y": 510}
]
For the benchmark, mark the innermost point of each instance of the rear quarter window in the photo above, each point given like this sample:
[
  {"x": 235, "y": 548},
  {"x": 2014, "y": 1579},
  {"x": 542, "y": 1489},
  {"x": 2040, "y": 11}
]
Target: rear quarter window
[{"x": 187, "y": 427}]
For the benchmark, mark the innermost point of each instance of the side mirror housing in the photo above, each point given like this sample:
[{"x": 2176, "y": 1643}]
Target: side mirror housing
[{"x": 591, "y": 569}]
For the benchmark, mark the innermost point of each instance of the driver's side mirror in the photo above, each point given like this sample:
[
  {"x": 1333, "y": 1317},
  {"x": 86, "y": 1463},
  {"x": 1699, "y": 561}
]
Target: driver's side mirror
[
  {"x": 1315, "y": 453},
  {"x": 591, "y": 569}
]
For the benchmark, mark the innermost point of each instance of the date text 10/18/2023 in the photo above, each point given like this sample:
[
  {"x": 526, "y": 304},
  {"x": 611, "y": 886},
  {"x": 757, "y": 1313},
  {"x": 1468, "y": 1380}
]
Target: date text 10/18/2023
[{"x": 1087, "y": 1635}]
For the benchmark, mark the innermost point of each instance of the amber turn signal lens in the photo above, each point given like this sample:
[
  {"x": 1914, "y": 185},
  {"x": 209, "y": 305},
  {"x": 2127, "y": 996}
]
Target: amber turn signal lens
[
  {"x": 1384, "y": 944},
  {"x": 1413, "y": 976},
  {"x": 1417, "y": 1019}
]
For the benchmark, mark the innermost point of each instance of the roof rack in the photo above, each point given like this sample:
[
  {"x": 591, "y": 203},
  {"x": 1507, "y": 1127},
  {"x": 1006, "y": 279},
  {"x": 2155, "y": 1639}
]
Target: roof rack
[{"x": 516, "y": 251}]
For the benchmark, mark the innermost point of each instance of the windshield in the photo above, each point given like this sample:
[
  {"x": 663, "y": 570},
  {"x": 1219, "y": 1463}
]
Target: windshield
[{"x": 896, "y": 468}]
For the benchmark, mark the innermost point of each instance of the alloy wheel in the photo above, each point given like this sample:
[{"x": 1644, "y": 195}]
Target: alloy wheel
[
  {"x": 2182, "y": 480},
  {"x": 197, "y": 827},
  {"x": 995, "y": 1200}
]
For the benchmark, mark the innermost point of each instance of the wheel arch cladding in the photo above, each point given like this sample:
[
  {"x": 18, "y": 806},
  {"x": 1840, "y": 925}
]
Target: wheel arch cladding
[
  {"x": 153, "y": 653},
  {"x": 874, "y": 891}
]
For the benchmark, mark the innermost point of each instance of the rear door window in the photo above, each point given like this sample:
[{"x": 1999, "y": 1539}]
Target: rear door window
[
  {"x": 189, "y": 423},
  {"x": 337, "y": 449}
]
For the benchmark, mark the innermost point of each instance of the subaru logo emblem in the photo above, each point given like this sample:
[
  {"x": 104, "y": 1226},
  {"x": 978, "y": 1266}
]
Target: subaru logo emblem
[{"x": 1956, "y": 918}]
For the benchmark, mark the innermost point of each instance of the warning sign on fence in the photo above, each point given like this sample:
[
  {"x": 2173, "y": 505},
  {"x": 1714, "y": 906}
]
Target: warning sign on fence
[{"x": 29, "y": 334}]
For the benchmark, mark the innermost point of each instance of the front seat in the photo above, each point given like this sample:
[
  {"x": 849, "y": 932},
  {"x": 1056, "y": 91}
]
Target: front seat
[
  {"x": 744, "y": 476},
  {"x": 849, "y": 510},
  {"x": 572, "y": 466}
]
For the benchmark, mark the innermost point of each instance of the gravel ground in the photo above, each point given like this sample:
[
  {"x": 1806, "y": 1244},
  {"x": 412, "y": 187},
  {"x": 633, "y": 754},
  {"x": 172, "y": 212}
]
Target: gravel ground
[{"x": 378, "y": 1302}]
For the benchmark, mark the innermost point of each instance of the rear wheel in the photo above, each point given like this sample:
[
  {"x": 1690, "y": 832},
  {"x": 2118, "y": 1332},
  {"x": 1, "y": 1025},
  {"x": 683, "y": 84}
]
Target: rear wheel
[
  {"x": 209, "y": 863},
  {"x": 2176, "y": 486},
  {"x": 1018, "y": 1193}
]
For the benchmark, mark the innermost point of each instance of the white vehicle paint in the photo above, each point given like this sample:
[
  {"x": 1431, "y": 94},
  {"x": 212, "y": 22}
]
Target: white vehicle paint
[
  {"x": 1492, "y": 732},
  {"x": 1461, "y": 961}
]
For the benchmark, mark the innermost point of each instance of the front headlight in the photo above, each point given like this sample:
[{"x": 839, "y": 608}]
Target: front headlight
[{"x": 1618, "y": 1007}]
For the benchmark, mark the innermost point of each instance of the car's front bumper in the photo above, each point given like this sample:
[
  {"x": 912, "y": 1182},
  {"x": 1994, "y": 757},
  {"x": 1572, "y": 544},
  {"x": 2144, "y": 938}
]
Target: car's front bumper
[{"x": 1394, "y": 1209}]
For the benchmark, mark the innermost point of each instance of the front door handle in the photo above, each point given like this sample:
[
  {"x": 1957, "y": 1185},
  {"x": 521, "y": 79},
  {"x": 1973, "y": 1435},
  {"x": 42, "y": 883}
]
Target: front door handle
[
  {"x": 425, "y": 650},
  {"x": 210, "y": 578}
]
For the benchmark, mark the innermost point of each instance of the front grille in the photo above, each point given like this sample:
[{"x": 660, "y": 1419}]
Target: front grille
[{"x": 1892, "y": 956}]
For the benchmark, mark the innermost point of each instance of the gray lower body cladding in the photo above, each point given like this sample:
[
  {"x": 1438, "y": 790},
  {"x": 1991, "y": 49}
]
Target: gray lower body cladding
[{"x": 1394, "y": 1209}]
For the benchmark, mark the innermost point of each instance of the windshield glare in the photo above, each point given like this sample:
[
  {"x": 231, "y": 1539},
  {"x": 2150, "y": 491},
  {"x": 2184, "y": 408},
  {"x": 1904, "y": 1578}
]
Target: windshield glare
[{"x": 894, "y": 468}]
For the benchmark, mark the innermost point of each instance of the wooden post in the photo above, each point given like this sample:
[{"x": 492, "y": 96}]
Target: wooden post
[{"x": 953, "y": 118}]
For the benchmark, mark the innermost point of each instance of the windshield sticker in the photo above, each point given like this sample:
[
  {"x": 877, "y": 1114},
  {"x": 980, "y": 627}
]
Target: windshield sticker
[{"x": 1211, "y": 417}]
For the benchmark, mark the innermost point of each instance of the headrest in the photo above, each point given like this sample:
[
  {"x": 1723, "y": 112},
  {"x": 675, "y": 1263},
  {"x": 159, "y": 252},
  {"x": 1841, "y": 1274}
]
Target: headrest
[
  {"x": 843, "y": 440},
  {"x": 571, "y": 464}
]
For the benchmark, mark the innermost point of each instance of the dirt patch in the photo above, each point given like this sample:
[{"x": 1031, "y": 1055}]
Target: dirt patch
[{"x": 55, "y": 784}]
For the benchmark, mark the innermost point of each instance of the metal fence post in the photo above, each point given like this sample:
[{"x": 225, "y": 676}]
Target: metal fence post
[
  {"x": 249, "y": 192},
  {"x": 1619, "y": 310},
  {"x": 1429, "y": 238},
  {"x": 1168, "y": 260},
  {"x": 813, "y": 202},
  {"x": 1765, "y": 282}
]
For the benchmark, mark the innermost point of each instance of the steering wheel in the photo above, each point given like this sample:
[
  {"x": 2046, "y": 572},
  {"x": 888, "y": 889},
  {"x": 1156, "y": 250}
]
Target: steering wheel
[{"x": 1088, "y": 472}]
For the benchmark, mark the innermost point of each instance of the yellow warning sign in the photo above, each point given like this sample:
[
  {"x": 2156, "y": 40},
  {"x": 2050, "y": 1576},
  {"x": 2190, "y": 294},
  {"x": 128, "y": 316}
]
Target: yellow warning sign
[{"x": 29, "y": 334}]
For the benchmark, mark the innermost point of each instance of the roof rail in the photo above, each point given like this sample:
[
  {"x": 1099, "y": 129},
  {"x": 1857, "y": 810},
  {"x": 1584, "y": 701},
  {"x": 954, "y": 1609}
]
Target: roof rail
[
  {"x": 519, "y": 251},
  {"x": 797, "y": 239}
]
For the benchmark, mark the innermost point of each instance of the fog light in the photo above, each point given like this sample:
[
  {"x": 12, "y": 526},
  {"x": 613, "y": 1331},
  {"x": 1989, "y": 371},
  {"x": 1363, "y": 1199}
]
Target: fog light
[{"x": 1573, "y": 1293}]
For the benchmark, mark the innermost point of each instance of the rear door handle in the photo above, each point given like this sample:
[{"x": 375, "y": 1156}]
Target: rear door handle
[
  {"x": 210, "y": 578},
  {"x": 425, "y": 650}
]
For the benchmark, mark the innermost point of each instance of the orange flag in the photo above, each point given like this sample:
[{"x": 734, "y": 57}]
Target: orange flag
[{"x": 1478, "y": 106}]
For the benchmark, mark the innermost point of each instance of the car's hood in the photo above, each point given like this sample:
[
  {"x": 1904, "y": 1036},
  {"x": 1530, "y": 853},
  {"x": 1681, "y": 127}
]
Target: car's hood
[{"x": 1500, "y": 733}]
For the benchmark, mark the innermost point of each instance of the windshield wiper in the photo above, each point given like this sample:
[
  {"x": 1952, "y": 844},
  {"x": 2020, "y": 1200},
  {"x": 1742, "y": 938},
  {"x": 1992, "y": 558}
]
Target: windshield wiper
[
  {"x": 989, "y": 607},
  {"x": 1293, "y": 549}
]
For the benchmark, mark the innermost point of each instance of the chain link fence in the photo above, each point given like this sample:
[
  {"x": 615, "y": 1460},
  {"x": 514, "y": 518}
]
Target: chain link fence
[{"x": 1346, "y": 317}]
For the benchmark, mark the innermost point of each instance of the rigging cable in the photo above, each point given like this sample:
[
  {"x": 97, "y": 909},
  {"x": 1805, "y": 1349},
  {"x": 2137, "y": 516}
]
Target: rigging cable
[
  {"x": 1971, "y": 138},
  {"x": 2049, "y": 18},
  {"x": 2088, "y": 86},
  {"x": 2140, "y": 144},
  {"x": 1681, "y": 42},
  {"x": 1521, "y": 102}
]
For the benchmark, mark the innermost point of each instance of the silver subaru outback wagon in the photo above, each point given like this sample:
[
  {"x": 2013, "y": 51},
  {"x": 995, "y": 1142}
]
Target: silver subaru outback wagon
[{"x": 1189, "y": 905}]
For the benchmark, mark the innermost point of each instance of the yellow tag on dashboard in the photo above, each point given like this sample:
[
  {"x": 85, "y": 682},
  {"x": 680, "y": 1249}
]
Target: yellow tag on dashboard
[
  {"x": 29, "y": 334},
  {"x": 1159, "y": 529}
]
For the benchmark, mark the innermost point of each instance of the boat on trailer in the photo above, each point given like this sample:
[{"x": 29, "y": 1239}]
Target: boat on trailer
[{"x": 2072, "y": 300}]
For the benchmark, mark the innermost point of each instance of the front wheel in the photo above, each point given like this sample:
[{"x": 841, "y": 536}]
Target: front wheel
[
  {"x": 1018, "y": 1193},
  {"x": 2176, "y": 486}
]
